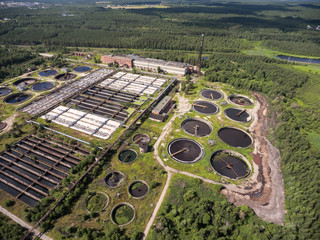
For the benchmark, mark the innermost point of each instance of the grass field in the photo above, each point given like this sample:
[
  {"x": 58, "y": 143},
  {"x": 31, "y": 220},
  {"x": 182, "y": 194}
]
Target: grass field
[{"x": 260, "y": 50}]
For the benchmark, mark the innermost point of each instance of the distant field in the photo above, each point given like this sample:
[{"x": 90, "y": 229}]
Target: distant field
[{"x": 136, "y": 6}]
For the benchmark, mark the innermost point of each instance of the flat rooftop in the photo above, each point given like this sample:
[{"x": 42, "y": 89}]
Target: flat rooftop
[{"x": 162, "y": 104}]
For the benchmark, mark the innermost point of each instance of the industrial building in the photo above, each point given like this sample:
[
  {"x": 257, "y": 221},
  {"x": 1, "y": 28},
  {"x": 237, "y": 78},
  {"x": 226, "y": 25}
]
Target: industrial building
[
  {"x": 159, "y": 113},
  {"x": 122, "y": 60},
  {"x": 149, "y": 64}
]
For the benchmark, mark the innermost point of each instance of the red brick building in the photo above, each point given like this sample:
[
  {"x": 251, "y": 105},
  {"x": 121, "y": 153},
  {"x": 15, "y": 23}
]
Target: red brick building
[
  {"x": 121, "y": 60},
  {"x": 79, "y": 54}
]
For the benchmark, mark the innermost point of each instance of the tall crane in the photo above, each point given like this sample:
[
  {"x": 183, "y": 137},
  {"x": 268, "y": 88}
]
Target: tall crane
[{"x": 200, "y": 54}]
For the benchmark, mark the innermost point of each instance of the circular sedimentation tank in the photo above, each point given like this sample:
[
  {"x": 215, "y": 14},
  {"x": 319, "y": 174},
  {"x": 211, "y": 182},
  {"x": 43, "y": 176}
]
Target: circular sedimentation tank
[
  {"x": 240, "y": 100},
  {"x": 65, "y": 76},
  {"x": 185, "y": 150},
  {"x": 82, "y": 69},
  {"x": 42, "y": 86},
  {"x": 122, "y": 214},
  {"x": 141, "y": 137},
  {"x": 205, "y": 107},
  {"x": 127, "y": 156},
  {"x": 138, "y": 189},
  {"x": 239, "y": 115},
  {"x": 5, "y": 91},
  {"x": 17, "y": 98},
  {"x": 235, "y": 137},
  {"x": 48, "y": 73},
  {"x": 27, "y": 81},
  {"x": 211, "y": 94},
  {"x": 97, "y": 202},
  {"x": 196, "y": 127},
  {"x": 114, "y": 179},
  {"x": 230, "y": 164}
]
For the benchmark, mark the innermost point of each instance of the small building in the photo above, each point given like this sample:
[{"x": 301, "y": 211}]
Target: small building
[
  {"x": 143, "y": 147},
  {"x": 79, "y": 54},
  {"x": 122, "y": 60},
  {"x": 160, "y": 111}
]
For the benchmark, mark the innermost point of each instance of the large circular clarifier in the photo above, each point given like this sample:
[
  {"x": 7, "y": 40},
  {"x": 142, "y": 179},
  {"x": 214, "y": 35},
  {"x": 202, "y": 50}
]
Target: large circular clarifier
[
  {"x": 211, "y": 94},
  {"x": 65, "y": 76},
  {"x": 27, "y": 81},
  {"x": 205, "y": 107},
  {"x": 48, "y": 73},
  {"x": 185, "y": 150},
  {"x": 239, "y": 115},
  {"x": 235, "y": 137},
  {"x": 127, "y": 156},
  {"x": 229, "y": 164},
  {"x": 82, "y": 69},
  {"x": 17, "y": 98},
  {"x": 43, "y": 86},
  {"x": 196, "y": 127},
  {"x": 122, "y": 214},
  {"x": 114, "y": 179},
  {"x": 138, "y": 189},
  {"x": 240, "y": 100},
  {"x": 5, "y": 91}
]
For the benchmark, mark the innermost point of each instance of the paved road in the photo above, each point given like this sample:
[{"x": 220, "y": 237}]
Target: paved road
[{"x": 23, "y": 223}]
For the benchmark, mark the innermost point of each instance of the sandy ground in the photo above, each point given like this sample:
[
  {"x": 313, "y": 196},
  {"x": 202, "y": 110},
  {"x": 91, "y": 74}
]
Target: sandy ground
[
  {"x": 9, "y": 121},
  {"x": 23, "y": 223},
  {"x": 264, "y": 191}
]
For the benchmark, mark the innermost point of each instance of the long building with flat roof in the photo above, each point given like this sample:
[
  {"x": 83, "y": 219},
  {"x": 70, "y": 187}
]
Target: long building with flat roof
[
  {"x": 148, "y": 64},
  {"x": 151, "y": 64}
]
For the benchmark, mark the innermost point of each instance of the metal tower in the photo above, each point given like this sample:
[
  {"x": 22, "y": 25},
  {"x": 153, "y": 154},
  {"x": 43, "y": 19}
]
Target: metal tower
[{"x": 200, "y": 54}]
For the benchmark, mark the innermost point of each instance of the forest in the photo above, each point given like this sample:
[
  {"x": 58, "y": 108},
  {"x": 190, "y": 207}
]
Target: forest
[
  {"x": 229, "y": 27},
  {"x": 10, "y": 230},
  {"x": 196, "y": 210}
]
